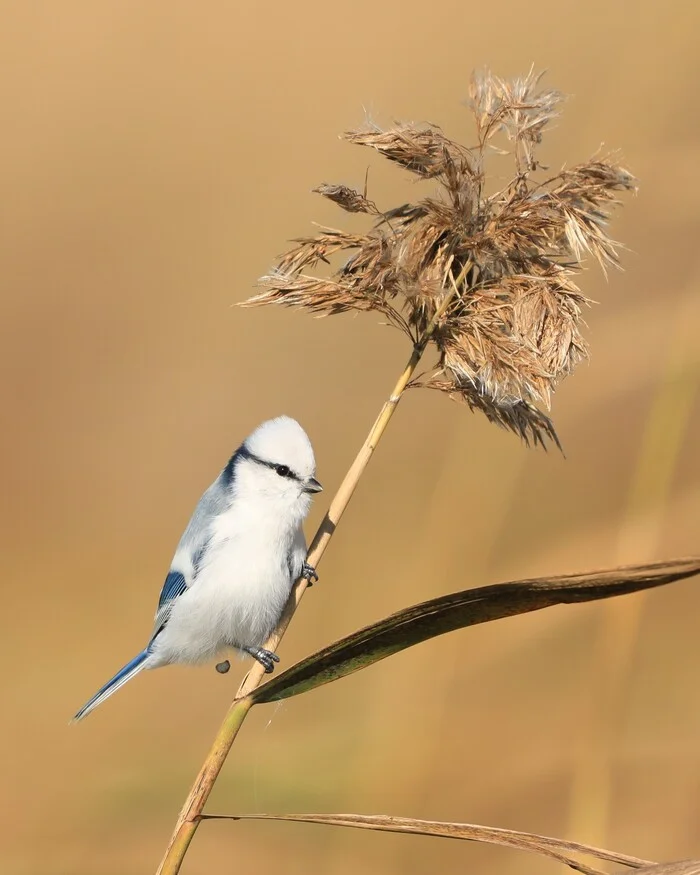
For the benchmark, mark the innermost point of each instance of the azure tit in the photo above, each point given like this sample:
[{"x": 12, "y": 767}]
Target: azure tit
[{"x": 237, "y": 560}]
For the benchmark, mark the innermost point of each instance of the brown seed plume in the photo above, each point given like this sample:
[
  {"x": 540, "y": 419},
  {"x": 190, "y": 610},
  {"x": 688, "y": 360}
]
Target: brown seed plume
[{"x": 512, "y": 329}]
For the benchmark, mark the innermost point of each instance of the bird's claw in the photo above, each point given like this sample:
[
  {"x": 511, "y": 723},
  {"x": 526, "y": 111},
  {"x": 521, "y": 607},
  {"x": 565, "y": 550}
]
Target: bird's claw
[
  {"x": 266, "y": 658},
  {"x": 308, "y": 573}
]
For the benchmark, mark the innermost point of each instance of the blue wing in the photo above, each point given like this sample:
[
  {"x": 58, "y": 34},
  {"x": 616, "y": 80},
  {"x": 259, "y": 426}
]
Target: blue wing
[{"x": 174, "y": 586}]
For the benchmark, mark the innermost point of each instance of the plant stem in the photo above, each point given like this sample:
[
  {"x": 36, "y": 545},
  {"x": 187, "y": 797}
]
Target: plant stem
[
  {"x": 188, "y": 821},
  {"x": 186, "y": 827}
]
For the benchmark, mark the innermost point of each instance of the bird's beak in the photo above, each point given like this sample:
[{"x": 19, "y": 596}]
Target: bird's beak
[{"x": 312, "y": 485}]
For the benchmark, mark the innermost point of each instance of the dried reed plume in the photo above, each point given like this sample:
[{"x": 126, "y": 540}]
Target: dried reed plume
[{"x": 490, "y": 276}]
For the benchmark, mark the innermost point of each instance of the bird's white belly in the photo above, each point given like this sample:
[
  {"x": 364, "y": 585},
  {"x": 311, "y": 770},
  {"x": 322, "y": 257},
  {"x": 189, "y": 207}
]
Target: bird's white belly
[{"x": 235, "y": 601}]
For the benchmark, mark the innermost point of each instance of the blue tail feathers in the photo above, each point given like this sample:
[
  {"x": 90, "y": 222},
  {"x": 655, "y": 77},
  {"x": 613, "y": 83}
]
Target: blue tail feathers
[{"x": 120, "y": 678}]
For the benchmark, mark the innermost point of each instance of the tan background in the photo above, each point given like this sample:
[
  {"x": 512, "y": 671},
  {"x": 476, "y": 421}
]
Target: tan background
[{"x": 155, "y": 157}]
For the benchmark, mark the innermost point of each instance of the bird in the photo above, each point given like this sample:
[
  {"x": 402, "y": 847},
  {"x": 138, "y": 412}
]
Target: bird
[{"x": 237, "y": 560}]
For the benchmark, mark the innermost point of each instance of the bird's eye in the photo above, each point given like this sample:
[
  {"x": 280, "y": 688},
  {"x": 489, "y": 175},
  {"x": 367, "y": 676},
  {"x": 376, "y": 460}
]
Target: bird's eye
[{"x": 282, "y": 470}]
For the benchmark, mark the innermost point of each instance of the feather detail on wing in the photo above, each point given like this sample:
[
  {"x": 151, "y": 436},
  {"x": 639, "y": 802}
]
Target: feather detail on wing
[
  {"x": 193, "y": 544},
  {"x": 174, "y": 586}
]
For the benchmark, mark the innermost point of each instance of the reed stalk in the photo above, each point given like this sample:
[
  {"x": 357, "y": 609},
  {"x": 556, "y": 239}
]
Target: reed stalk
[{"x": 189, "y": 817}]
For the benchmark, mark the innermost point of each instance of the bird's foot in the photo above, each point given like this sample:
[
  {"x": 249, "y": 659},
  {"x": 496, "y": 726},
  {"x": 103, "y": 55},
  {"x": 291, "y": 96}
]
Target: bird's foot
[
  {"x": 266, "y": 658},
  {"x": 223, "y": 667},
  {"x": 308, "y": 572}
]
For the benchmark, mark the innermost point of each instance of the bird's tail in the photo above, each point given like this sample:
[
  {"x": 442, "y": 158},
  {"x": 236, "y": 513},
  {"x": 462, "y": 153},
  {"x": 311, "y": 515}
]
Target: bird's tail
[{"x": 120, "y": 678}]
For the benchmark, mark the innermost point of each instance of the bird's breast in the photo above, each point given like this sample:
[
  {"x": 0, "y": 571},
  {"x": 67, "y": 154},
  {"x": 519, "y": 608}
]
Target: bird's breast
[{"x": 245, "y": 578}]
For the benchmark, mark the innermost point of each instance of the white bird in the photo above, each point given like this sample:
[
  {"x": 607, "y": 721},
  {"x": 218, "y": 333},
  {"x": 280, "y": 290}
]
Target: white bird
[{"x": 237, "y": 560}]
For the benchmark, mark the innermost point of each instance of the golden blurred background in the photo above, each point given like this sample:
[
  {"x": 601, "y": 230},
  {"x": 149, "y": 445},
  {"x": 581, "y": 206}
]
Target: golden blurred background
[{"x": 155, "y": 158}]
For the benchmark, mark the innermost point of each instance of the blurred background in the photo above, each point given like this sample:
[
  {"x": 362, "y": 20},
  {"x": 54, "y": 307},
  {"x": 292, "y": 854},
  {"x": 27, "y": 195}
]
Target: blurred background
[{"x": 155, "y": 158}]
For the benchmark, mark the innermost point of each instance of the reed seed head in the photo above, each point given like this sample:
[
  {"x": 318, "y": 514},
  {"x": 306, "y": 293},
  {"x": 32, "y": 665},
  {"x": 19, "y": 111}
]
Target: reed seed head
[{"x": 507, "y": 261}]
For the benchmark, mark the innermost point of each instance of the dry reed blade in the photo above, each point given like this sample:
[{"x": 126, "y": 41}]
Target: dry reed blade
[
  {"x": 557, "y": 849},
  {"x": 679, "y": 867}
]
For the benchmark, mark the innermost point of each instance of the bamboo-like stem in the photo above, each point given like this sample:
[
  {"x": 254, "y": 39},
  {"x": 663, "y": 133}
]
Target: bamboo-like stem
[
  {"x": 187, "y": 826},
  {"x": 188, "y": 821}
]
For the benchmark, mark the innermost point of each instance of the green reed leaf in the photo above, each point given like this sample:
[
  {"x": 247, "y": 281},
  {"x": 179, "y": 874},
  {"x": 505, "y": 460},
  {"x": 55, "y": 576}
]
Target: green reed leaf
[{"x": 458, "y": 610}]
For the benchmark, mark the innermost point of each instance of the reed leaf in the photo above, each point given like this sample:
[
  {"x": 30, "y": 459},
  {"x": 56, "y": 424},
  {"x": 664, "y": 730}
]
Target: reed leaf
[
  {"x": 458, "y": 610},
  {"x": 679, "y": 867},
  {"x": 556, "y": 849}
]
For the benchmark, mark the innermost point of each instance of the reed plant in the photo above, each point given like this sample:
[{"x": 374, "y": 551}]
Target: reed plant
[{"x": 482, "y": 279}]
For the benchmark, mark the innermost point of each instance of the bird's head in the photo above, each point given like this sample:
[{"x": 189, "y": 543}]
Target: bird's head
[{"x": 276, "y": 463}]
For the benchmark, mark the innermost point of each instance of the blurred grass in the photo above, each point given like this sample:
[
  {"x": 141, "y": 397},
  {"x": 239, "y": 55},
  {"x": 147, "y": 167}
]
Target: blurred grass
[
  {"x": 619, "y": 633},
  {"x": 155, "y": 159}
]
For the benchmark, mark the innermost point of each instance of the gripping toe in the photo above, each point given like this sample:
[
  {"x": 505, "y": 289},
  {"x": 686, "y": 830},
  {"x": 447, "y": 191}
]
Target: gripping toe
[{"x": 266, "y": 658}]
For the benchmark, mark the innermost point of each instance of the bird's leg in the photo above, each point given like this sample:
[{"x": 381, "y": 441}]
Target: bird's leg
[
  {"x": 266, "y": 658},
  {"x": 308, "y": 572},
  {"x": 223, "y": 667}
]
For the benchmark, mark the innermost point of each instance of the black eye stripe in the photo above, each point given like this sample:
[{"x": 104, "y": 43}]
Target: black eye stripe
[{"x": 281, "y": 470}]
